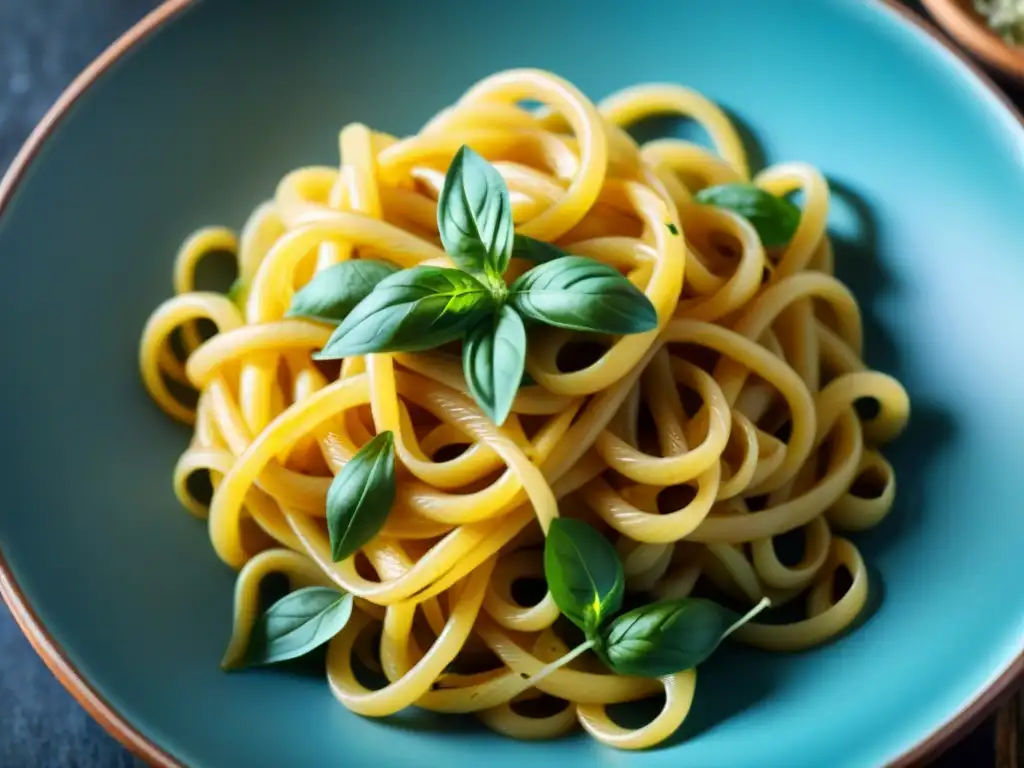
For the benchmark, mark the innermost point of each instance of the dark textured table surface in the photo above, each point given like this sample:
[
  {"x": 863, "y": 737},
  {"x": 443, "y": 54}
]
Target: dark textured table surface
[{"x": 43, "y": 45}]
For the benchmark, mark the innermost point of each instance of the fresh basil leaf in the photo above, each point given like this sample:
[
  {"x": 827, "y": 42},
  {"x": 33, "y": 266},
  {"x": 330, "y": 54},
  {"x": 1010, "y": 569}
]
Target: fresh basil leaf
[
  {"x": 411, "y": 311},
  {"x": 335, "y": 291},
  {"x": 360, "y": 496},
  {"x": 672, "y": 228},
  {"x": 236, "y": 290},
  {"x": 583, "y": 572},
  {"x": 774, "y": 218},
  {"x": 493, "y": 360},
  {"x": 297, "y": 624},
  {"x": 582, "y": 294},
  {"x": 665, "y": 637},
  {"x": 537, "y": 251},
  {"x": 474, "y": 215}
]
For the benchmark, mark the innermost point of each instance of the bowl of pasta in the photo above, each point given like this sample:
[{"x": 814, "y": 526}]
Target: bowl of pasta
[
  {"x": 992, "y": 30},
  {"x": 570, "y": 381}
]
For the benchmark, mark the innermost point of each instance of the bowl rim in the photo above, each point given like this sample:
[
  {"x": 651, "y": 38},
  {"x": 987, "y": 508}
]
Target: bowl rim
[
  {"x": 971, "y": 32},
  {"x": 117, "y": 724}
]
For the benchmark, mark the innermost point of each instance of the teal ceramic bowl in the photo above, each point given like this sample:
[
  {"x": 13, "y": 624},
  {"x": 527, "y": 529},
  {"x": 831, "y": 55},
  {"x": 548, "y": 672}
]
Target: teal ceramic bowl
[{"x": 213, "y": 101}]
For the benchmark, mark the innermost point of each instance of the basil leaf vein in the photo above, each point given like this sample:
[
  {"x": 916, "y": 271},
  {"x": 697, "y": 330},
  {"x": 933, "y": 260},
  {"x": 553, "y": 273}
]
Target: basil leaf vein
[
  {"x": 666, "y": 637},
  {"x": 335, "y": 291},
  {"x": 360, "y": 497},
  {"x": 774, "y": 218},
  {"x": 583, "y": 572},
  {"x": 493, "y": 360},
  {"x": 411, "y": 311},
  {"x": 474, "y": 215},
  {"x": 582, "y": 294},
  {"x": 298, "y": 623}
]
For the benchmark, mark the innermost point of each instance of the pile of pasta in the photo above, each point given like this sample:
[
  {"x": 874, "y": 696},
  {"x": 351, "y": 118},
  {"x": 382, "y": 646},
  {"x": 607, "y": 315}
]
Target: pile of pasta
[{"x": 691, "y": 447}]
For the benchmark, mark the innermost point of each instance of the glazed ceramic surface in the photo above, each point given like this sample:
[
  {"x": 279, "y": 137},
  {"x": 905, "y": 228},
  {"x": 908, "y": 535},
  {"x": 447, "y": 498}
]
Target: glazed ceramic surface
[{"x": 196, "y": 126}]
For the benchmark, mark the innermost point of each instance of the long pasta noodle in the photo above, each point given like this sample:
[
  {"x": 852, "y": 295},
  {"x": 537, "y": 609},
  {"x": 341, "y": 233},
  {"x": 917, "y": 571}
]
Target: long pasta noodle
[{"x": 694, "y": 447}]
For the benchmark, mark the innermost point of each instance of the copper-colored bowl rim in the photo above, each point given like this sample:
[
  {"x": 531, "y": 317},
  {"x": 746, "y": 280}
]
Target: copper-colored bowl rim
[
  {"x": 117, "y": 724},
  {"x": 972, "y": 33}
]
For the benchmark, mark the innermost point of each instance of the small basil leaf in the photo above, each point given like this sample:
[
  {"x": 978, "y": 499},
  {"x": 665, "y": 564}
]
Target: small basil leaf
[
  {"x": 537, "y": 251},
  {"x": 493, "y": 360},
  {"x": 582, "y": 294},
  {"x": 335, "y": 291},
  {"x": 236, "y": 291},
  {"x": 411, "y": 311},
  {"x": 360, "y": 496},
  {"x": 774, "y": 218},
  {"x": 583, "y": 572},
  {"x": 665, "y": 637},
  {"x": 297, "y": 624},
  {"x": 474, "y": 215}
]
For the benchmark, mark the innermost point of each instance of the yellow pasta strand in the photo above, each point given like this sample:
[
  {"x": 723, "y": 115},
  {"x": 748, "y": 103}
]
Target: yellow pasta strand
[{"x": 693, "y": 447}]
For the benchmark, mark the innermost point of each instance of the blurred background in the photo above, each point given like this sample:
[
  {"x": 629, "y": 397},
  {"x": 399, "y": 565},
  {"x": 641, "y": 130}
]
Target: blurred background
[{"x": 43, "y": 45}]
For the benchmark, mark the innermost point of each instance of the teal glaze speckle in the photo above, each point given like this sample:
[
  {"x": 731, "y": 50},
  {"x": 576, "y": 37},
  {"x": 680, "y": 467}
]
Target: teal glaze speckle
[{"x": 197, "y": 126}]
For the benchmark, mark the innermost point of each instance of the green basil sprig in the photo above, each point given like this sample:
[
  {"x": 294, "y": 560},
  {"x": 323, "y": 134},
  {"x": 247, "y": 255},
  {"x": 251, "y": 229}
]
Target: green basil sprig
[
  {"x": 585, "y": 579},
  {"x": 583, "y": 572},
  {"x": 474, "y": 215},
  {"x": 411, "y": 311},
  {"x": 421, "y": 308},
  {"x": 493, "y": 360},
  {"x": 360, "y": 496},
  {"x": 775, "y": 218},
  {"x": 334, "y": 292},
  {"x": 536, "y": 251},
  {"x": 665, "y": 637},
  {"x": 296, "y": 624},
  {"x": 581, "y": 294}
]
